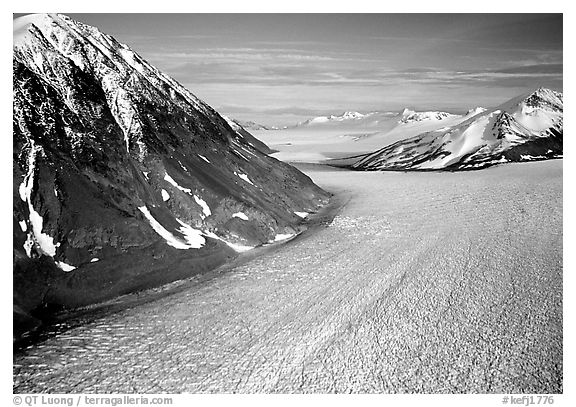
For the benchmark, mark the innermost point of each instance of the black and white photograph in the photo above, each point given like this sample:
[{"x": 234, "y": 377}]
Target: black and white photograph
[{"x": 294, "y": 203}]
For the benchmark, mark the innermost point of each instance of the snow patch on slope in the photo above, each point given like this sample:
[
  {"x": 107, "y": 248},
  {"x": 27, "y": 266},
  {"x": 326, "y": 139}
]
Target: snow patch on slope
[
  {"x": 231, "y": 123},
  {"x": 240, "y": 215},
  {"x": 243, "y": 177},
  {"x": 64, "y": 266},
  {"x": 205, "y": 208},
  {"x": 193, "y": 237},
  {"x": 283, "y": 236},
  {"x": 45, "y": 242},
  {"x": 236, "y": 247},
  {"x": 168, "y": 178}
]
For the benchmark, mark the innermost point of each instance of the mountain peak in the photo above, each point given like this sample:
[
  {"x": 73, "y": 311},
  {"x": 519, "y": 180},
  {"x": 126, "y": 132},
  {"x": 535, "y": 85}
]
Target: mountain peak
[
  {"x": 410, "y": 116},
  {"x": 475, "y": 111},
  {"x": 119, "y": 169},
  {"x": 526, "y": 128},
  {"x": 545, "y": 95},
  {"x": 49, "y": 42},
  {"x": 541, "y": 99},
  {"x": 351, "y": 115},
  {"x": 22, "y": 26}
]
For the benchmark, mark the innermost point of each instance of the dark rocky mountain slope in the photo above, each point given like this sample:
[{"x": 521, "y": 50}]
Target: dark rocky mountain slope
[{"x": 122, "y": 179}]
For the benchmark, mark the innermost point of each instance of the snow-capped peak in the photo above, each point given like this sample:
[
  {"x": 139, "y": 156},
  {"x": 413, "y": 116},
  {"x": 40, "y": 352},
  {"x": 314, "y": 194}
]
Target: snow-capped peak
[
  {"x": 407, "y": 112},
  {"x": 475, "y": 111},
  {"x": 349, "y": 116},
  {"x": 57, "y": 42},
  {"x": 541, "y": 97},
  {"x": 527, "y": 127},
  {"x": 346, "y": 116},
  {"x": 536, "y": 110},
  {"x": 21, "y": 25},
  {"x": 338, "y": 118},
  {"x": 410, "y": 116},
  {"x": 545, "y": 97}
]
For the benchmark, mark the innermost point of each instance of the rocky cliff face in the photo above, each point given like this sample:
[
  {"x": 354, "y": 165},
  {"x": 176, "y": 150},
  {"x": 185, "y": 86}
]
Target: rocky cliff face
[
  {"x": 526, "y": 128},
  {"x": 123, "y": 179}
]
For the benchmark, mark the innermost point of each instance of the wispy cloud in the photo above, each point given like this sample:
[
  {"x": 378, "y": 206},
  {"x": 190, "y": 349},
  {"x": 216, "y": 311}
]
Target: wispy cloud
[
  {"x": 534, "y": 69},
  {"x": 313, "y": 65},
  {"x": 144, "y": 37},
  {"x": 239, "y": 55},
  {"x": 306, "y": 72}
]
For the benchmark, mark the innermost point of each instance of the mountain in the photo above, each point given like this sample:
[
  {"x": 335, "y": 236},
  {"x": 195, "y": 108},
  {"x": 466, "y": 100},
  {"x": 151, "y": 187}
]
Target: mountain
[
  {"x": 248, "y": 138},
  {"x": 250, "y": 125},
  {"x": 123, "y": 179},
  {"x": 373, "y": 119},
  {"x": 526, "y": 128},
  {"x": 474, "y": 112},
  {"x": 410, "y": 116},
  {"x": 340, "y": 139},
  {"x": 346, "y": 117}
]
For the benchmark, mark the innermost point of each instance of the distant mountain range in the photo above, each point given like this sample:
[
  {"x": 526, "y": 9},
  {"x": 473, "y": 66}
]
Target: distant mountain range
[
  {"x": 411, "y": 116},
  {"x": 405, "y": 116},
  {"x": 125, "y": 180},
  {"x": 342, "y": 118},
  {"x": 526, "y": 128}
]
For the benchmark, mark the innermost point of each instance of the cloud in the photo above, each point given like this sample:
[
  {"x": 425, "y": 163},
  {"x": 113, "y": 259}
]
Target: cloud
[
  {"x": 534, "y": 69},
  {"x": 288, "y": 83},
  {"x": 281, "y": 75},
  {"x": 140, "y": 37},
  {"x": 286, "y": 110},
  {"x": 234, "y": 55}
]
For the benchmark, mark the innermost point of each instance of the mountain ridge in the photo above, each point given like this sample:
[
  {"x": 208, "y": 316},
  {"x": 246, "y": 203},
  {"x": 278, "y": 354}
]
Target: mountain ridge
[
  {"x": 525, "y": 128},
  {"x": 405, "y": 116}
]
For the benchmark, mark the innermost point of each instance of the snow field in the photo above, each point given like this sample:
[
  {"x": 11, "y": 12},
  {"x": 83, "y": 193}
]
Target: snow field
[{"x": 423, "y": 282}]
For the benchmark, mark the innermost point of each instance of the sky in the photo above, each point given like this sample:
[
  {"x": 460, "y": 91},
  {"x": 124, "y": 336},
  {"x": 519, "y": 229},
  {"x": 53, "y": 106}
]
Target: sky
[{"x": 283, "y": 68}]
